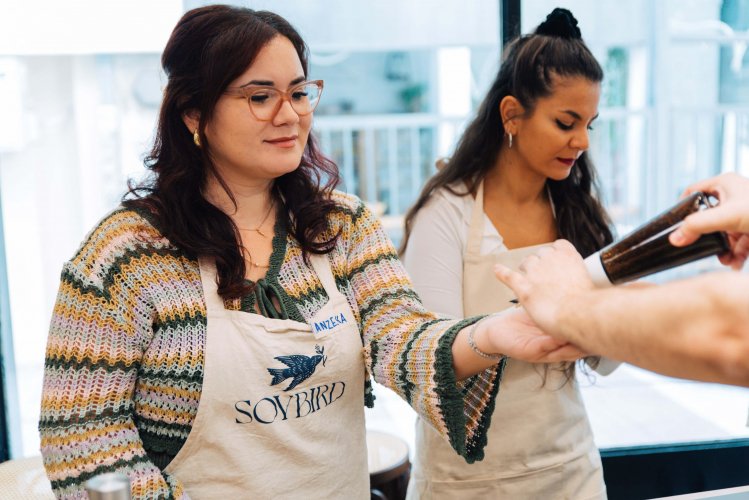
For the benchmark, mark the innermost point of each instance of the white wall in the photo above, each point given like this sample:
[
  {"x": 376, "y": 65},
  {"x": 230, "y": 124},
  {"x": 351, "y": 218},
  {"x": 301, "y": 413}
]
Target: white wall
[
  {"x": 86, "y": 26},
  {"x": 359, "y": 25}
]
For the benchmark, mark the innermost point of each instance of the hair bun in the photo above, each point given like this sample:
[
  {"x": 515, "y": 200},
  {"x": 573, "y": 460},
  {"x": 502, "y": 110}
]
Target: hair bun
[{"x": 560, "y": 23}]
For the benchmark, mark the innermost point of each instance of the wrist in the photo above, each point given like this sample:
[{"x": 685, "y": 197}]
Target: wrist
[
  {"x": 570, "y": 315},
  {"x": 480, "y": 342}
]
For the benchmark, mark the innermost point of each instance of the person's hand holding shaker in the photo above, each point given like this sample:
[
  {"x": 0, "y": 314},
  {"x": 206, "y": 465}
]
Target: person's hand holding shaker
[
  {"x": 731, "y": 216},
  {"x": 647, "y": 249}
]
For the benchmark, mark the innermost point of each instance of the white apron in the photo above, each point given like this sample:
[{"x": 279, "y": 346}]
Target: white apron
[
  {"x": 281, "y": 412},
  {"x": 540, "y": 445}
]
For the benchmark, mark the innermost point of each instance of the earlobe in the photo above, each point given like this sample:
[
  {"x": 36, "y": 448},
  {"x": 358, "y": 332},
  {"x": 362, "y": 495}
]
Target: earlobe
[
  {"x": 510, "y": 110},
  {"x": 191, "y": 119}
]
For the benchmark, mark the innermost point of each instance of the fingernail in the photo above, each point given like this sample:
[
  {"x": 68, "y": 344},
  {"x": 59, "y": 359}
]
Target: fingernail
[{"x": 676, "y": 237}]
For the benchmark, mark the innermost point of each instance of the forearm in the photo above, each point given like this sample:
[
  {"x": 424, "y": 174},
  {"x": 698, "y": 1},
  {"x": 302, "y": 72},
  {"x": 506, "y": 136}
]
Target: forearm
[
  {"x": 466, "y": 362},
  {"x": 696, "y": 328}
]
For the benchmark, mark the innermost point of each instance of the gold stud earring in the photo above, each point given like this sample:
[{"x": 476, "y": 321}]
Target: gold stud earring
[{"x": 196, "y": 138}]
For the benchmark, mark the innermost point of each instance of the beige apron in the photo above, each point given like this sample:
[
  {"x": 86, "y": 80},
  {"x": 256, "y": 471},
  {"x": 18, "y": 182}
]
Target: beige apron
[
  {"x": 540, "y": 445},
  {"x": 281, "y": 412}
]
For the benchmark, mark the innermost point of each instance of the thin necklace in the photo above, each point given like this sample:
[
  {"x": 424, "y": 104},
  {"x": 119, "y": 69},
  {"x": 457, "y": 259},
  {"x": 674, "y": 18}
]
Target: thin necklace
[
  {"x": 248, "y": 258},
  {"x": 257, "y": 229}
]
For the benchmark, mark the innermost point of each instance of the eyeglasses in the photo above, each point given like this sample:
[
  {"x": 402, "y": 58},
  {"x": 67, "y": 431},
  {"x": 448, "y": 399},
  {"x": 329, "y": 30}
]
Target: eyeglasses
[{"x": 266, "y": 101}]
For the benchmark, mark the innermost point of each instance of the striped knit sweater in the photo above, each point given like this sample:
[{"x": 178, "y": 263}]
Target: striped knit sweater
[{"x": 124, "y": 360}]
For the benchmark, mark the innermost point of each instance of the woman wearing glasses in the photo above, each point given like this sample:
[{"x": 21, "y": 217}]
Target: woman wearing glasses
[
  {"x": 520, "y": 177},
  {"x": 214, "y": 336}
]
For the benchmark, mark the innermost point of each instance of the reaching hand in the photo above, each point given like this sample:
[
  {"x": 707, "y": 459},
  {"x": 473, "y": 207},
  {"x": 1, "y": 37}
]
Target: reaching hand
[
  {"x": 731, "y": 216},
  {"x": 515, "y": 335},
  {"x": 547, "y": 281}
]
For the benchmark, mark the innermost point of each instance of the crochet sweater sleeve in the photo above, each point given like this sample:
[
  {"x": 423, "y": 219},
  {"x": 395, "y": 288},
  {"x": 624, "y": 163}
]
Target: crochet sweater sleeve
[
  {"x": 409, "y": 349},
  {"x": 100, "y": 326}
]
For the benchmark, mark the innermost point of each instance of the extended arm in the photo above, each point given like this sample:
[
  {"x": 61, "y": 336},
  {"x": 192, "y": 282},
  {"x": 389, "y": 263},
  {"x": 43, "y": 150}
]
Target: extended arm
[
  {"x": 696, "y": 328},
  {"x": 434, "y": 260}
]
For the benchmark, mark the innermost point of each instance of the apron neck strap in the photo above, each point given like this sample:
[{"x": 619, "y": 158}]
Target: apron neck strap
[
  {"x": 476, "y": 229},
  {"x": 321, "y": 265},
  {"x": 208, "y": 276}
]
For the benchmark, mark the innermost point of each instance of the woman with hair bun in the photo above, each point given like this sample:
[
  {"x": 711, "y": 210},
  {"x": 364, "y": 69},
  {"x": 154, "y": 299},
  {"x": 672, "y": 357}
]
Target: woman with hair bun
[
  {"x": 214, "y": 336},
  {"x": 520, "y": 177}
]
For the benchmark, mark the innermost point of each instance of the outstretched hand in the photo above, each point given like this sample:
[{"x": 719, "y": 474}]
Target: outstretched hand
[
  {"x": 514, "y": 334},
  {"x": 731, "y": 216},
  {"x": 547, "y": 282}
]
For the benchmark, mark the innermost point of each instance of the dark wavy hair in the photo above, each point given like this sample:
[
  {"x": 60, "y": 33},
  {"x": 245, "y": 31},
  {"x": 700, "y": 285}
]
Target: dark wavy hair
[
  {"x": 208, "y": 49},
  {"x": 555, "y": 49}
]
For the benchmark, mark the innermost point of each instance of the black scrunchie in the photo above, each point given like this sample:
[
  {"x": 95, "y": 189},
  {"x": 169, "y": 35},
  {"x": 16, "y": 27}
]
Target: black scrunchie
[{"x": 560, "y": 23}]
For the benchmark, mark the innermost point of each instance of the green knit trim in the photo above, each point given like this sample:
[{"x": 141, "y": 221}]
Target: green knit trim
[
  {"x": 247, "y": 302},
  {"x": 450, "y": 400},
  {"x": 168, "y": 438},
  {"x": 173, "y": 482},
  {"x": 369, "y": 397},
  {"x": 374, "y": 350},
  {"x": 289, "y": 309},
  {"x": 160, "y": 459},
  {"x": 279, "y": 244}
]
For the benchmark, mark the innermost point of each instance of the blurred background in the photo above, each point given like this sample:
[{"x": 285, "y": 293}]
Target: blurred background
[{"x": 80, "y": 87}]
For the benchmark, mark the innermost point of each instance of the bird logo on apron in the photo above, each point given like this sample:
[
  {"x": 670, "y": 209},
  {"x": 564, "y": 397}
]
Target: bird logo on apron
[{"x": 300, "y": 367}]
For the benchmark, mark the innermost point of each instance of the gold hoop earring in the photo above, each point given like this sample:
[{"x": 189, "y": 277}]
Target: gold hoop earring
[
  {"x": 509, "y": 136},
  {"x": 196, "y": 138}
]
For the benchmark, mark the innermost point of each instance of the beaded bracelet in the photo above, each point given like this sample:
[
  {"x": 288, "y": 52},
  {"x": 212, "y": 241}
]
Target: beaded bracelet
[{"x": 475, "y": 348}]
